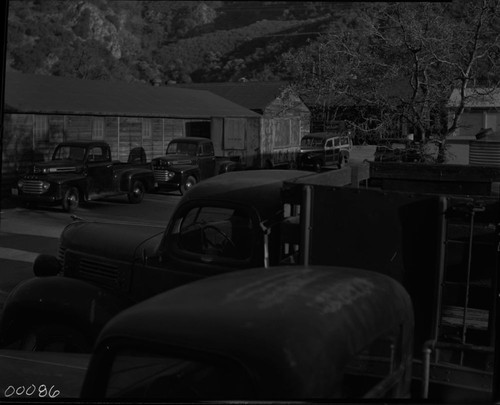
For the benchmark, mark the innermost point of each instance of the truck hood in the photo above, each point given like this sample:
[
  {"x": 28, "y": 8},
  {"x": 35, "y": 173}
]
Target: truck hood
[
  {"x": 169, "y": 160},
  {"x": 112, "y": 241},
  {"x": 57, "y": 166}
]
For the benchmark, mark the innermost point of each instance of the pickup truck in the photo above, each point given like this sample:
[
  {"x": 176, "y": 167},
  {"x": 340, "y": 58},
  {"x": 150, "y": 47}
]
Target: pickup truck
[
  {"x": 83, "y": 171},
  {"x": 188, "y": 161},
  {"x": 225, "y": 223}
]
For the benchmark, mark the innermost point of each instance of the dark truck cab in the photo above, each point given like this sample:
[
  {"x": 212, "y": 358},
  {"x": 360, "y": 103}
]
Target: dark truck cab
[
  {"x": 84, "y": 171},
  {"x": 188, "y": 161}
]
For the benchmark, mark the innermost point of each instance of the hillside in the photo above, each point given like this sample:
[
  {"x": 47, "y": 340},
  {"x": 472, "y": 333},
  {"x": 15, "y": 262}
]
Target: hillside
[{"x": 161, "y": 41}]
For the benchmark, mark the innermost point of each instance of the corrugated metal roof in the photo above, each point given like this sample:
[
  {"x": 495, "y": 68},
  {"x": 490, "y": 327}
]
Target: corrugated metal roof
[
  {"x": 252, "y": 95},
  {"x": 27, "y": 93},
  {"x": 477, "y": 98}
]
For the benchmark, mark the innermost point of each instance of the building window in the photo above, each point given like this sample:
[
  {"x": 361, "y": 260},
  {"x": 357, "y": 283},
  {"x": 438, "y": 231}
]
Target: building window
[{"x": 98, "y": 128}]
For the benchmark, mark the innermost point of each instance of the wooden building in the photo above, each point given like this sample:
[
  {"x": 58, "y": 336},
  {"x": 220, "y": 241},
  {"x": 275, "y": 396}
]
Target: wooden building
[
  {"x": 285, "y": 117},
  {"x": 482, "y": 110},
  {"x": 41, "y": 111}
]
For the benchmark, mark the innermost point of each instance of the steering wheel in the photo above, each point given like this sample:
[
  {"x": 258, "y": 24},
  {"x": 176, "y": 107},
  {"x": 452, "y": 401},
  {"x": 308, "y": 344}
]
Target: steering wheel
[{"x": 212, "y": 244}]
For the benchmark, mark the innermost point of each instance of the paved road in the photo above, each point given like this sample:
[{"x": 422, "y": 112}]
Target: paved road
[{"x": 26, "y": 233}]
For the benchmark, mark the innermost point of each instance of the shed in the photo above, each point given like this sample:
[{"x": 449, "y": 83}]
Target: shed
[
  {"x": 285, "y": 117},
  {"x": 482, "y": 110},
  {"x": 41, "y": 111}
]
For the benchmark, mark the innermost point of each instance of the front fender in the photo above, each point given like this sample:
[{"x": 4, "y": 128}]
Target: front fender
[
  {"x": 229, "y": 166},
  {"x": 58, "y": 299},
  {"x": 142, "y": 174}
]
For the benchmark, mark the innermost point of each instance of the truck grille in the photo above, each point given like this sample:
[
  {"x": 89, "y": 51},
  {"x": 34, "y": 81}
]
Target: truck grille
[
  {"x": 33, "y": 187},
  {"x": 99, "y": 272},
  {"x": 161, "y": 175},
  {"x": 61, "y": 254},
  {"x": 96, "y": 270}
]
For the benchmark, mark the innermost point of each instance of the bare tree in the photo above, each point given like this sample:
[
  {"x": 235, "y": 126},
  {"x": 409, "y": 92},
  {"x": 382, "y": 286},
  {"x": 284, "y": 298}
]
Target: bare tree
[{"x": 399, "y": 63}]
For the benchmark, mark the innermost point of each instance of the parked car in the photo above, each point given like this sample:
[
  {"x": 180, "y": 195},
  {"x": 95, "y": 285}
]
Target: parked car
[
  {"x": 188, "y": 161},
  {"x": 323, "y": 150},
  {"x": 84, "y": 171},
  {"x": 225, "y": 223}
]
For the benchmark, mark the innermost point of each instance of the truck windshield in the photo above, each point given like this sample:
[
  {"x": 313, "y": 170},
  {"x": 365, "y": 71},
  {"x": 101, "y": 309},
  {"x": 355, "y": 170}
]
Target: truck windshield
[
  {"x": 142, "y": 374},
  {"x": 69, "y": 152},
  {"x": 215, "y": 231},
  {"x": 182, "y": 148}
]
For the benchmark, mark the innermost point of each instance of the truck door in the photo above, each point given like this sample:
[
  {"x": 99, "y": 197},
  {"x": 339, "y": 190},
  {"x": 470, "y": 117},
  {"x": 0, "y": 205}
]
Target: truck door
[
  {"x": 99, "y": 170},
  {"x": 329, "y": 152},
  {"x": 206, "y": 160}
]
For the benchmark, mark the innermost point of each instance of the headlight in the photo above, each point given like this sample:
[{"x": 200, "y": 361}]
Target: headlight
[
  {"x": 20, "y": 184},
  {"x": 170, "y": 174},
  {"x": 45, "y": 185}
]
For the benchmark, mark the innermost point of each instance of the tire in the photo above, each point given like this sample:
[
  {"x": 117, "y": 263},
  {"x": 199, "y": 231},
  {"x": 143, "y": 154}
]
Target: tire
[
  {"x": 55, "y": 338},
  {"x": 188, "y": 183},
  {"x": 136, "y": 194},
  {"x": 71, "y": 199}
]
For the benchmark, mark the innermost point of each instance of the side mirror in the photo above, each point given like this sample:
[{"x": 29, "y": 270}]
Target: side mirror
[{"x": 46, "y": 265}]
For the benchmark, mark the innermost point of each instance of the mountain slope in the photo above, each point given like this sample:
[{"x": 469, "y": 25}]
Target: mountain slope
[{"x": 161, "y": 41}]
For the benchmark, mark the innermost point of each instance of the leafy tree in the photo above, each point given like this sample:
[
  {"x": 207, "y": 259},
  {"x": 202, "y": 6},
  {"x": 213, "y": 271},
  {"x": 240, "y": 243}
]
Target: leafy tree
[
  {"x": 84, "y": 60},
  {"x": 82, "y": 27},
  {"x": 401, "y": 61}
]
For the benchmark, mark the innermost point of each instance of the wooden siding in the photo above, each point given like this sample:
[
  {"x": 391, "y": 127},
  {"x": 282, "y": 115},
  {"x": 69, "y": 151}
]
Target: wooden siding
[
  {"x": 473, "y": 120},
  {"x": 237, "y": 137},
  {"x": 79, "y": 128},
  {"x": 130, "y": 136},
  {"x": 30, "y": 137},
  {"x": 111, "y": 135},
  {"x": 286, "y": 120},
  {"x": 217, "y": 134}
]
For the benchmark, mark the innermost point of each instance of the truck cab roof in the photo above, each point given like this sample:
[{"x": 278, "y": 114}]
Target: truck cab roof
[{"x": 262, "y": 188}]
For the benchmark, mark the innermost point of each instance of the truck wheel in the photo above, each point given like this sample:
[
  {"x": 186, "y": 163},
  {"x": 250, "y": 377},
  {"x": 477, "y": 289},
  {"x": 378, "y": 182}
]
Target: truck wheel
[
  {"x": 71, "y": 199},
  {"x": 136, "y": 194},
  {"x": 189, "y": 182},
  {"x": 55, "y": 338}
]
